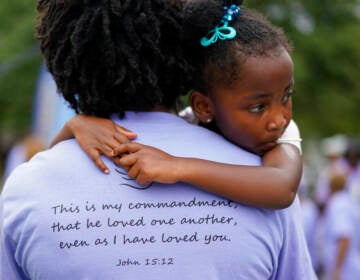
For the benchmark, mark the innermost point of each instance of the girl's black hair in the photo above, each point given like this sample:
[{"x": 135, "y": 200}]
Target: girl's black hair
[
  {"x": 108, "y": 56},
  {"x": 220, "y": 63}
]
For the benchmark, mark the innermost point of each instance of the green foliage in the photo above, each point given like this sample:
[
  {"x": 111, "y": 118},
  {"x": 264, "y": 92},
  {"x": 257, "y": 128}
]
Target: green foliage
[
  {"x": 17, "y": 20},
  {"x": 328, "y": 81},
  {"x": 19, "y": 63},
  {"x": 17, "y": 90}
]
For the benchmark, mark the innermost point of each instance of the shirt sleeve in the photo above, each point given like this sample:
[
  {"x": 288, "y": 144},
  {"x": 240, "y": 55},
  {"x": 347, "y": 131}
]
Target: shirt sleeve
[{"x": 291, "y": 136}]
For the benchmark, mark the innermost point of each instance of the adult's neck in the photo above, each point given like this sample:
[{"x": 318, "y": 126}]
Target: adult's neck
[
  {"x": 156, "y": 108},
  {"x": 162, "y": 108}
]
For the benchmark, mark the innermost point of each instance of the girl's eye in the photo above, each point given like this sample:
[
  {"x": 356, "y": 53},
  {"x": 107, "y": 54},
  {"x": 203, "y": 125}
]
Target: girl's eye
[
  {"x": 256, "y": 108},
  {"x": 287, "y": 97}
]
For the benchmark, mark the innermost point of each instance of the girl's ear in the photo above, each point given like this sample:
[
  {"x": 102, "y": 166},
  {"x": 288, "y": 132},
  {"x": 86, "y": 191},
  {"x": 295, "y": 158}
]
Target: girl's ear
[{"x": 201, "y": 106}]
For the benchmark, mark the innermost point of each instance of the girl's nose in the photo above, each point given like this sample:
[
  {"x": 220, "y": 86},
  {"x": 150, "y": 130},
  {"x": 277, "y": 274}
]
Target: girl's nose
[{"x": 277, "y": 122}]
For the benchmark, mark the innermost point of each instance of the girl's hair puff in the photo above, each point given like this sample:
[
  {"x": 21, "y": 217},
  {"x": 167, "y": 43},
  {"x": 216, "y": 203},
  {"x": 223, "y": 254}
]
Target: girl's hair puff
[
  {"x": 108, "y": 56},
  {"x": 220, "y": 63}
]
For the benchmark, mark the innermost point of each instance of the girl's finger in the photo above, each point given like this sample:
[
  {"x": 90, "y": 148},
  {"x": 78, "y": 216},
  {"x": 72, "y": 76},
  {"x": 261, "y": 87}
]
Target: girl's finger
[
  {"x": 130, "y": 147},
  {"x": 108, "y": 151},
  {"x": 143, "y": 180},
  {"x": 109, "y": 146},
  {"x": 127, "y": 160},
  {"x": 120, "y": 138},
  {"x": 95, "y": 156},
  {"x": 128, "y": 133},
  {"x": 133, "y": 171}
]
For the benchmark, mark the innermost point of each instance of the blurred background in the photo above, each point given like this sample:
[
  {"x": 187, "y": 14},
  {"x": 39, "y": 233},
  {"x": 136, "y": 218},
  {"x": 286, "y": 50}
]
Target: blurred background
[{"x": 326, "y": 39}]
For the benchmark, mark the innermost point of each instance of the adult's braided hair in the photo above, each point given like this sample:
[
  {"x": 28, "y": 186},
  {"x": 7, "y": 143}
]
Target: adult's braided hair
[
  {"x": 108, "y": 56},
  {"x": 220, "y": 63}
]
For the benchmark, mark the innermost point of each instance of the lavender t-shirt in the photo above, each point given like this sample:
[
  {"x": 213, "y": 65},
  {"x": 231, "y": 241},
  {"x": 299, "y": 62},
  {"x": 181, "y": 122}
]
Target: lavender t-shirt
[{"x": 64, "y": 219}]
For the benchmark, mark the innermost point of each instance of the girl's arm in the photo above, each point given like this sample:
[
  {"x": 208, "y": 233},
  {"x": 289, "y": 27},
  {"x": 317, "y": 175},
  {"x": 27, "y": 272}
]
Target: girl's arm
[
  {"x": 96, "y": 136},
  {"x": 273, "y": 185}
]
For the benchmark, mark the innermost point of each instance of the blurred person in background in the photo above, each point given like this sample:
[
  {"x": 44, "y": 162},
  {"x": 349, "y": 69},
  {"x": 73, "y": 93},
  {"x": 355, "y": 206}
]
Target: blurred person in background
[
  {"x": 50, "y": 110},
  {"x": 22, "y": 151},
  {"x": 49, "y": 114},
  {"x": 310, "y": 217},
  {"x": 341, "y": 251},
  {"x": 352, "y": 156},
  {"x": 333, "y": 149}
]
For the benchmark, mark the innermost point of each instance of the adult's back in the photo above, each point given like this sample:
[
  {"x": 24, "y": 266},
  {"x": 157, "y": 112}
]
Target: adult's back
[{"x": 64, "y": 219}]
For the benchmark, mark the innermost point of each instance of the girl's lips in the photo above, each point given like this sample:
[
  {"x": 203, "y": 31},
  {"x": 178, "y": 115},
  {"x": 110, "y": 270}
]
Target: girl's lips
[{"x": 269, "y": 145}]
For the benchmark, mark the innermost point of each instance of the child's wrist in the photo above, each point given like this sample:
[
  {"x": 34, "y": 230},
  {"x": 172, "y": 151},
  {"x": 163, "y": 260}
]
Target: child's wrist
[
  {"x": 183, "y": 173},
  {"x": 72, "y": 124}
]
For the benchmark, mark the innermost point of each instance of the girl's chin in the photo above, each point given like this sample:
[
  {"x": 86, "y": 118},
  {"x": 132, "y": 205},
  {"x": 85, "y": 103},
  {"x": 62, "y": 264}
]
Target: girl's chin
[{"x": 262, "y": 149}]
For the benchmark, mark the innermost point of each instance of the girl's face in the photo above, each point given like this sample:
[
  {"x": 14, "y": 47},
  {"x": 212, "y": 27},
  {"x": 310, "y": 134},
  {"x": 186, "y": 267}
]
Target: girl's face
[{"x": 254, "y": 112}]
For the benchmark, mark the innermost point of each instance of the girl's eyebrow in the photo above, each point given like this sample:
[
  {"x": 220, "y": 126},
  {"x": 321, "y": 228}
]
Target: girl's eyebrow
[
  {"x": 261, "y": 95},
  {"x": 258, "y": 95}
]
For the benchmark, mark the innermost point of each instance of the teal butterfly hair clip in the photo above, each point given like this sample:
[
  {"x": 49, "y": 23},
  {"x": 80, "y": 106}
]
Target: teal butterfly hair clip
[{"x": 222, "y": 31}]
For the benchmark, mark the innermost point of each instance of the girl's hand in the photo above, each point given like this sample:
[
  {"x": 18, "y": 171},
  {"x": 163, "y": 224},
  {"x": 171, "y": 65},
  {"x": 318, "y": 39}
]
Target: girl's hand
[
  {"x": 98, "y": 136},
  {"x": 147, "y": 164}
]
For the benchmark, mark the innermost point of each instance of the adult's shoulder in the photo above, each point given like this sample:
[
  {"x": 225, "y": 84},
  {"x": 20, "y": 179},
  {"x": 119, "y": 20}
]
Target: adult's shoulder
[
  {"x": 47, "y": 167},
  {"x": 180, "y": 138},
  {"x": 213, "y": 146}
]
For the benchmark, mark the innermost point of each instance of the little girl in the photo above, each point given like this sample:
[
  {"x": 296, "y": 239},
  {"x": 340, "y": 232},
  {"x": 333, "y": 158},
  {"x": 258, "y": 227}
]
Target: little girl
[{"x": 242, "y": 87}]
